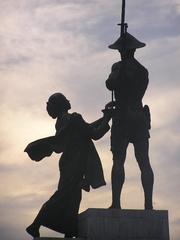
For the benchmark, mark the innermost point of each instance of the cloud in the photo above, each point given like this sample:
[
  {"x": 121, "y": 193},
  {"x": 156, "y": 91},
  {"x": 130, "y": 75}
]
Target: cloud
[{"x": 155, "y": 19}]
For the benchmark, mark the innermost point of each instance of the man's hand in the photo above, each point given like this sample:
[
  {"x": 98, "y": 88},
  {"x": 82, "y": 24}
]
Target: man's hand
[
  {"x": 110, "y": 105},
  {"x": 108, "y": 111}
]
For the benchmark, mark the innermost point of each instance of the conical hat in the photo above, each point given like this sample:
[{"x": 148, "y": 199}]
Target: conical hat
[{"x": 127, "y": 41}]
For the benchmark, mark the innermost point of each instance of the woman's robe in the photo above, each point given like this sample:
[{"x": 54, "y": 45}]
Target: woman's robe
[{"x": 80, "y": 167}]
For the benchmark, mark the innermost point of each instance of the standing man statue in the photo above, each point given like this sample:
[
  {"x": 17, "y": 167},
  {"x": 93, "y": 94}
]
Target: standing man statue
[{"x": 131, "y": 121}]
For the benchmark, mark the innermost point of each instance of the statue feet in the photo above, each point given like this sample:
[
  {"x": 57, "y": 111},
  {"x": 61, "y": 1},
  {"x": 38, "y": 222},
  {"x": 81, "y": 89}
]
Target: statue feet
[
  {"x": 148, "y": 205},
  {"x": 33, "y": 230},
  {"x": 115, "y": 206}
]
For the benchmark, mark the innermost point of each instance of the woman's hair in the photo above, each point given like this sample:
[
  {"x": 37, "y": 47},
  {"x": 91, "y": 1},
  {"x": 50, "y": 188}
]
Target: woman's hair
[
  {"x": 56, "y": 104},
  {"x": 60, "y": 101}
]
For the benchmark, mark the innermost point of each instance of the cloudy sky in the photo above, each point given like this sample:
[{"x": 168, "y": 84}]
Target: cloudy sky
[{"x": 48, "y": 46}]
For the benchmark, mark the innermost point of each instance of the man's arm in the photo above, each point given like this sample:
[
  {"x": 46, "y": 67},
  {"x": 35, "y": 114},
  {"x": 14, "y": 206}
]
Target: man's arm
[{"x": 112, "y": 82}]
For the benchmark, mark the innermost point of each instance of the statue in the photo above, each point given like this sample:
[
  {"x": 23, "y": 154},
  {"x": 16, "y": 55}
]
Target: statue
[
  {"x": 80, "y": 166},
  {"x": 131, "y": 121}
]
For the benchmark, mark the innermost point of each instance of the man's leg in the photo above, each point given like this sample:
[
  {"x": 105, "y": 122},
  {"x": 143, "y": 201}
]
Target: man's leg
[
  {"x": 147, "y": 176},
  {"x": 118, "y": 174}
]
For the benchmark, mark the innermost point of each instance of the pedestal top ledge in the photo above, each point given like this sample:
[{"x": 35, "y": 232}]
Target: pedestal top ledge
[{"x": 100, "y": 212}]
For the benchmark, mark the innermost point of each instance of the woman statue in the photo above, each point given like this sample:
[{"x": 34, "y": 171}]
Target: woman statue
[{"x": 80, "y": 166}]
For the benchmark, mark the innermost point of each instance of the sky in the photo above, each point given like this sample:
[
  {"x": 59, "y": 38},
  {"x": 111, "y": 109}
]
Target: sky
[{"x": 49, "y": 46}]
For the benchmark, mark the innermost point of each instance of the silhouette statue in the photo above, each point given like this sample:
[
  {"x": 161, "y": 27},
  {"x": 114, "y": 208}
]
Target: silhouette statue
[
  {"x": 131, "y": 121},
  {"x": 80, "y": 166}
]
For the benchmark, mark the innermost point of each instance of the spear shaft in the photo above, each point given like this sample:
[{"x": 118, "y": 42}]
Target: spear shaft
[
  {"x": 123, "y": 17},
  {"x": 123, "y": 30}
]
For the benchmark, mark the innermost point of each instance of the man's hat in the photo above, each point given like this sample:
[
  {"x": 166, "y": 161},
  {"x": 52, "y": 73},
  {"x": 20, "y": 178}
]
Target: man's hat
[{"x": 127, "y": 41}]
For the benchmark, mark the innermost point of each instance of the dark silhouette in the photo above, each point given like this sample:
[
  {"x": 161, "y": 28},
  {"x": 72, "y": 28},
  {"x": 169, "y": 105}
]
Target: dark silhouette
[
  {"x": 80, "y": 166},
  {"x": 131, "y": 121}
]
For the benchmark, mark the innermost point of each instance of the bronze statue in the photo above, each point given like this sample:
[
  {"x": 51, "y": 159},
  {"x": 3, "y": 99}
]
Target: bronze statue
[
  {"x": 80, "y": 166},
  {"x": 131, "y": 120}
]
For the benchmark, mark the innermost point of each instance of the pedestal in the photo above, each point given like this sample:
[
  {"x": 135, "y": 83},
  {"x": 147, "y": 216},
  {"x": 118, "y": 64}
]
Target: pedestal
[{"x": 113, "y": 224}]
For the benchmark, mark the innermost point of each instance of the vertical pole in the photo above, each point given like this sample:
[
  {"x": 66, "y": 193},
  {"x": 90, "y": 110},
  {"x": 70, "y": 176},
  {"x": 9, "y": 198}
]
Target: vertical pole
[
  {"x": 122, "y": 31},
  {"x": 112, "y": 96},
  {"x": 123, "y": 16}
]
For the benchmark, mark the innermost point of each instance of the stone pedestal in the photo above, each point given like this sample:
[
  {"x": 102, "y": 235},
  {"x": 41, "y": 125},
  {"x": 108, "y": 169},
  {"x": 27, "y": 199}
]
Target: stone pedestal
[{"x": 113, "y": 224}]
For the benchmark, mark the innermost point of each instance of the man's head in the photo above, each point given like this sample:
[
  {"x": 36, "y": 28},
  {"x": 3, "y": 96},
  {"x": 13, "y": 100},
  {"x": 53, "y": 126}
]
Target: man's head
[
  {"x": 57, "y": 104},
  {"x": 127, "y": 53},
  {"x": 127, "y": 45}
]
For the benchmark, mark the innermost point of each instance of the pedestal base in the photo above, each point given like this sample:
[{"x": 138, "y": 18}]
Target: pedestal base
[
  {"x": 51, "y": 238},
  {"x": 48, "y": 238},
  {"x": 114, "y": 224}
]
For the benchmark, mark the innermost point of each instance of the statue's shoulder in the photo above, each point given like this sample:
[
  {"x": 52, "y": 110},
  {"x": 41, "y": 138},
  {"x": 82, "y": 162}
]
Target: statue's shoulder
[
  {"x": 71, "y": 118},
  {"x": 75, "y": 116},
  {"x": 141, "y": 67},
  {"x": 116, "y": 66},
  {"x": 63, "y": 122}
]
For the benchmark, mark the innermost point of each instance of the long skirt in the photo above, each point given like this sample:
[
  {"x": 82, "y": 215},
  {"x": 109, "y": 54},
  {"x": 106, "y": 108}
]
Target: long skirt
[{"x": 60, "y": 212}]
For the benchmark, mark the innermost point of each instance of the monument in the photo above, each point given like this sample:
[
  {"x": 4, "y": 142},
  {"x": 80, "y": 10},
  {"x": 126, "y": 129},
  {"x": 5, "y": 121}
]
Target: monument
[
  {"x": 128, "y": 82},
  {"x": 131, "y": 122},
  {"x": 80, "y": 166}
]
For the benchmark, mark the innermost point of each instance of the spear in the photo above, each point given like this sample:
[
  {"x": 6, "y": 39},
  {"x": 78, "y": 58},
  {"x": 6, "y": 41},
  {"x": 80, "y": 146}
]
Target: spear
[
  {"x": 124, "y": 27},
  {"x": 123, "y": 24}
]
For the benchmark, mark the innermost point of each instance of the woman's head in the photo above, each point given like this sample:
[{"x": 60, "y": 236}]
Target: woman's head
[{"x": 57, "y": 104}]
